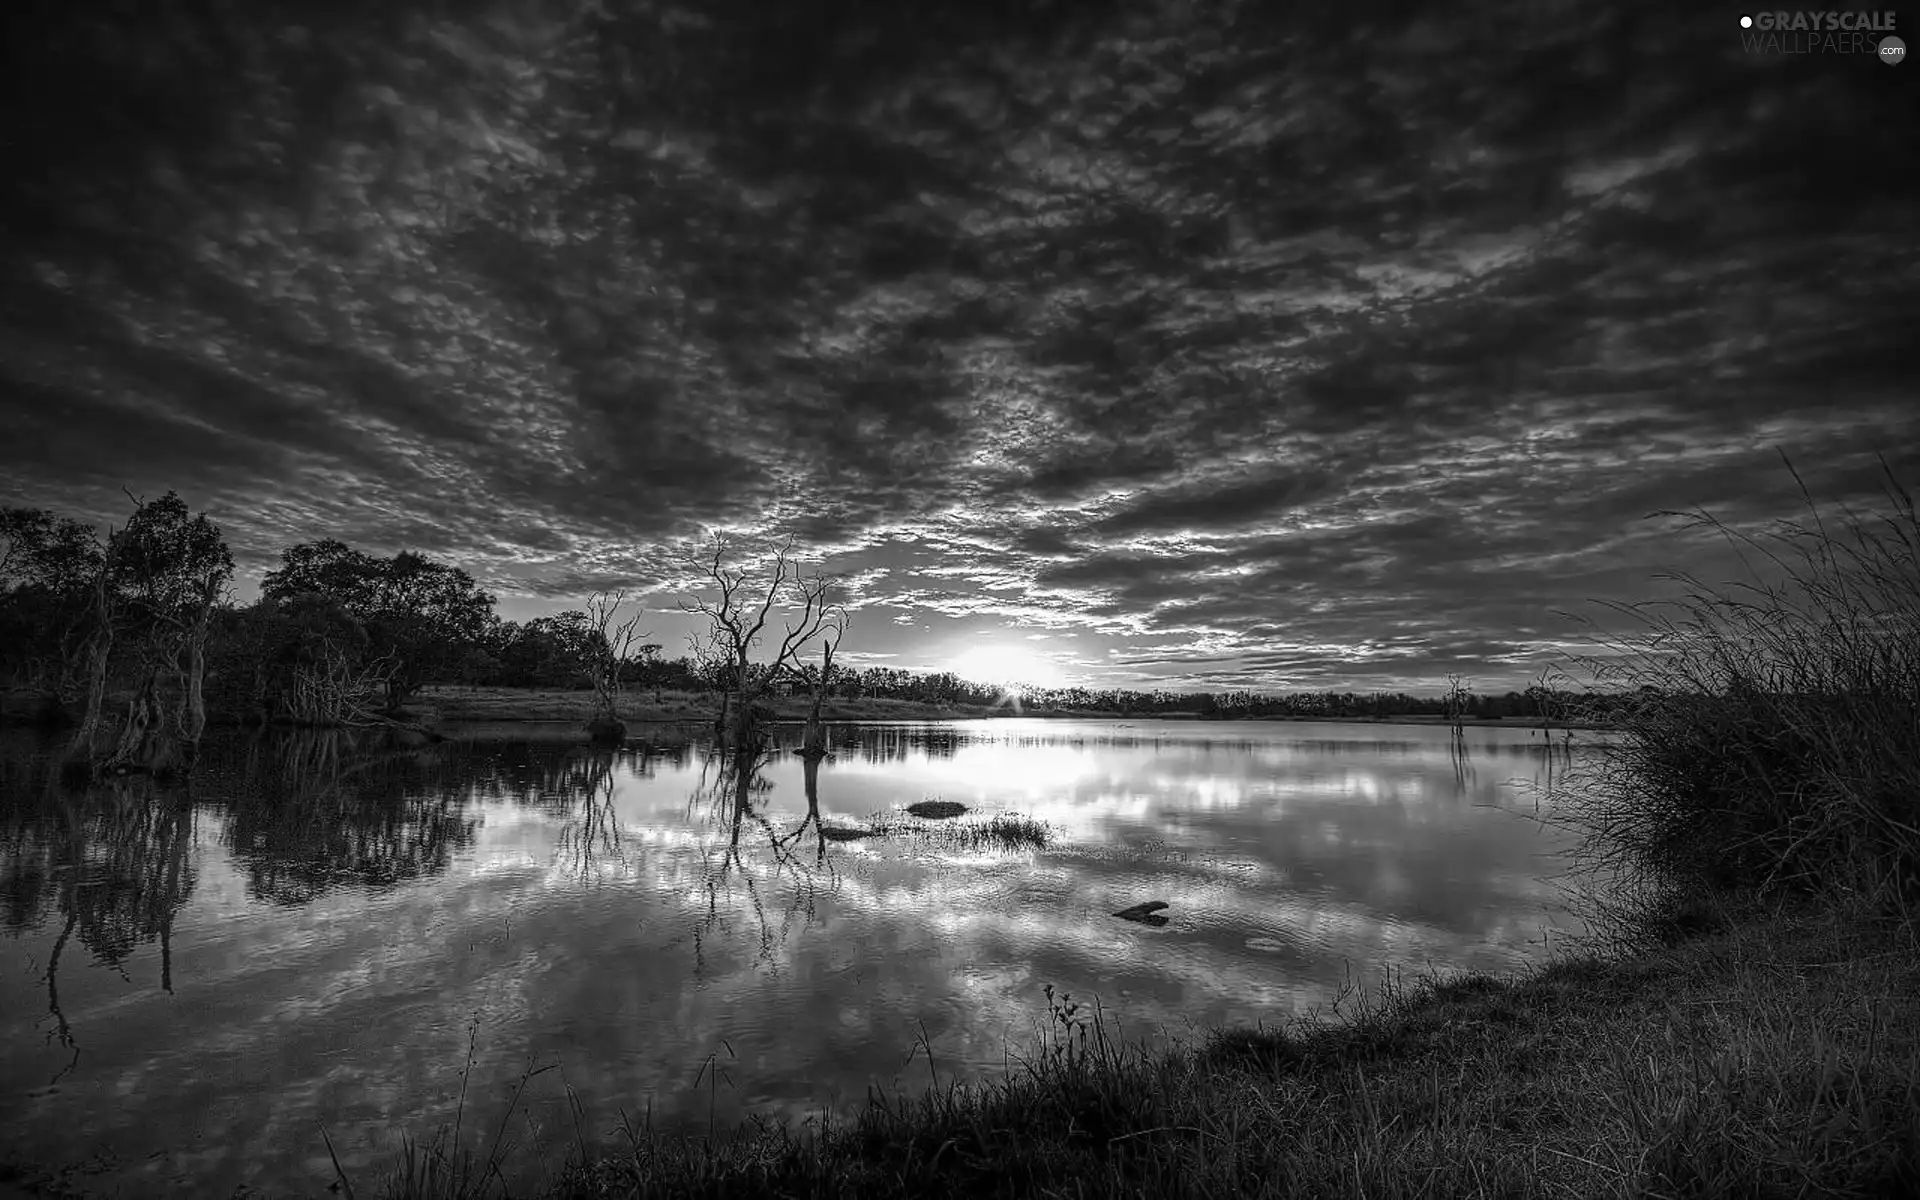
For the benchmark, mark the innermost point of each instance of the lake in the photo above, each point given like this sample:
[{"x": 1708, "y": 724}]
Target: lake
[{"x": 324, "y": 926}]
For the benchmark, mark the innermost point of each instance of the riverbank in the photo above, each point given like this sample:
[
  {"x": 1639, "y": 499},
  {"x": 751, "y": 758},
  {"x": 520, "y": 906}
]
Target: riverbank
[
  {"x": 1755, "y": 1053},
  {"x": 459, "y": 704},
  {"x": 468, "y": 704}
]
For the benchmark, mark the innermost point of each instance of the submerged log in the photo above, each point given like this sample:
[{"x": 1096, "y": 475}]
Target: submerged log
[{"x": 1145, "y": 914}]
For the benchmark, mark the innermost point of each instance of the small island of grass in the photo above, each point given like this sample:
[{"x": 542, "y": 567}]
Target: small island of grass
[{"x": 937, "y": 810}]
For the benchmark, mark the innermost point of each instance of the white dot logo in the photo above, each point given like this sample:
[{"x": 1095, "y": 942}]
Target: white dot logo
[{"x": 1746, "y": 22}]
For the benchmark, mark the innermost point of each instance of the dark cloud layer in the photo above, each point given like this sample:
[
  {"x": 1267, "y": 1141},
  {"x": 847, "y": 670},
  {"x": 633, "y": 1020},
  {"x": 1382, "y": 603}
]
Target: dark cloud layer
[{"x": 1254, "y": 347}]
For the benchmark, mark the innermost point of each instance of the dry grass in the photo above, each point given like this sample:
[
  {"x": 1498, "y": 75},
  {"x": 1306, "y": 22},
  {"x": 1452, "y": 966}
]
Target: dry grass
[{"x": 1777, "y": 742}]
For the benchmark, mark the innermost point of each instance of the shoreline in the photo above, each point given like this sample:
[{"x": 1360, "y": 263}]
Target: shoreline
[
  {"x": 460, "y": 705},
  {"x": 1444, "y": 1086},
  {"x": 445, "y": 704}
]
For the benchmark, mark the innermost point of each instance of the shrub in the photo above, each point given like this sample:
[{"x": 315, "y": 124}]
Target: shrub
[{"x": 1773, "y": 744}]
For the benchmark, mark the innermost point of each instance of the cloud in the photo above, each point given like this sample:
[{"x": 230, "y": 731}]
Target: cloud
[
  {"x": 1219, "y": 506},
  {"x": 1135, "y": 319}
]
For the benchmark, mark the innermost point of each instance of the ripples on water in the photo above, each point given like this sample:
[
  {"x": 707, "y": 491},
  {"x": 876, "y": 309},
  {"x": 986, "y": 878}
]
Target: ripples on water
[{"x": 309, "y": 935}]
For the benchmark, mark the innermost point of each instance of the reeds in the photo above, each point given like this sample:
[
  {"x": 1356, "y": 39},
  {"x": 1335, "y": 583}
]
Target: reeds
[
  {"x": 440, "y": 1167},
  {"x": 1774, "y": 741},
  {"x": 1002, "y": 831}
]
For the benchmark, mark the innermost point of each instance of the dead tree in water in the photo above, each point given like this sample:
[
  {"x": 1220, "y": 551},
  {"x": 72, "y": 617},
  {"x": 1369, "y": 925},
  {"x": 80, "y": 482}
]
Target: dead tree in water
[
  {"x": 1459, "y": 701},
  {"x": 613, "y": 642},
  {"x": 818, "y": 679},
  {"x": 737, "y": 618}
]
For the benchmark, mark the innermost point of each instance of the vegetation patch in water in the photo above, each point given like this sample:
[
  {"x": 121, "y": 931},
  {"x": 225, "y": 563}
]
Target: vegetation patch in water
[
  {"x": 937, "y": 810},
  {"x": 1008, "y": 831},
  {"x": 1005, "y": 831}
]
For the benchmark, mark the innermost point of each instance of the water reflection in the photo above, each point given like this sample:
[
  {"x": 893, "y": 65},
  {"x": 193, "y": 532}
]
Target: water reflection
[
  {"x": 894, "y": 743},
  {"x": 111, "y": 867},
  {"x": 323, "y": 918},
  {"x": 316, "y": 810}
]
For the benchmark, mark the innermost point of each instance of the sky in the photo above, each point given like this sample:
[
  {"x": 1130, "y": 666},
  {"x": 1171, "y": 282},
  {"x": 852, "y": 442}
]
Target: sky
[{"x": 1199, "y": 346}]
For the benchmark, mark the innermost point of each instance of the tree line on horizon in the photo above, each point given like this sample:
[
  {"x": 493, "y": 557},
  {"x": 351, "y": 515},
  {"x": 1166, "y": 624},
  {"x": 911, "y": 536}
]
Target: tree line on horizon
[{"x": 141, "y": 615}]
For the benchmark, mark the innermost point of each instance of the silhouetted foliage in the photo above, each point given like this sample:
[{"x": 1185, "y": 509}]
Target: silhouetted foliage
[
  {"x": 147, "y": 616},
  {"x": 421, "y": 616},
  {"x": 47, "y": 565}
]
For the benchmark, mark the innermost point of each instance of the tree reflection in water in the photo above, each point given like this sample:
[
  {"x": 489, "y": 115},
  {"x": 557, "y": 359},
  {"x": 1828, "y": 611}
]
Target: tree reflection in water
[
  {"x": 733, "y": 790},
  {"x": 316, "y": 809},
  {"x": 112, "y": 861},
  {"x": 884, "y": 744},
  {"x": 305, "y": 812},
  {"x": 592, "y": 840}
]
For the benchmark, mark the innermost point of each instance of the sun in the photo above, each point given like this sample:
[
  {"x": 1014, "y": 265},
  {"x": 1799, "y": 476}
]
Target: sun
[{"x": 1004, "y": 666}]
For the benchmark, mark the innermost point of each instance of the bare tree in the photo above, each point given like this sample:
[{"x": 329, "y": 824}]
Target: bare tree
[
  {"x": 818, "y": 679},
  {"x": 613, "y": 643},
  {"x": 738, "y": 617},
  {"x": 331, "y": 689},
  {"x": 1458, "y": 700}
]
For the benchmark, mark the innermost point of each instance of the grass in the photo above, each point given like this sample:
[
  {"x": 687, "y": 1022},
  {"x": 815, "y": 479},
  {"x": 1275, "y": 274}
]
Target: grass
[
  {"x": 1006, "y": 831},
  {"x": 1003, "y": 831},
  {"x": 440, "y": 1166},
  {"x": 1750, "y": 1026},
  {"x": 1776, "y": 743}
]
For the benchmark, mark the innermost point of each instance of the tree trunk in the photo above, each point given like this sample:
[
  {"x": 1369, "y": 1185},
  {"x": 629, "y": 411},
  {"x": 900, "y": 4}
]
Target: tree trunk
[
  {"x": 99, "y": 650},
  {"x": 810, "y": 780},
  {"x": 814, "y": 742},
  {"x": 742, "y": 731},
  {"x": 133, "y": 749},
  {"x": 194, "y": 715},
  {"x": 742, "y": 725}
]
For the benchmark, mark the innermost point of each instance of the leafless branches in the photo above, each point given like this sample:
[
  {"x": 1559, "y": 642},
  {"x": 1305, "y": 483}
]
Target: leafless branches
[
  {"x": 738, "y": 615},
  {"x": 331, "y": 689},
  {"x": 817, "y": 680},
  {"x": 614, "y": 642}
]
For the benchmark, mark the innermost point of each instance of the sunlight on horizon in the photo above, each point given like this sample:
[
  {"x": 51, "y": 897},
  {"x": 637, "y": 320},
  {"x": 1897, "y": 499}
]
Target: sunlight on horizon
[{"x": 1006, "y": 665}]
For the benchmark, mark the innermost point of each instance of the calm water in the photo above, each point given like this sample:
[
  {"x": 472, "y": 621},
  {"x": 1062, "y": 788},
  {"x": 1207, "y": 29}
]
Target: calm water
[{"x": 195, "y": 984}]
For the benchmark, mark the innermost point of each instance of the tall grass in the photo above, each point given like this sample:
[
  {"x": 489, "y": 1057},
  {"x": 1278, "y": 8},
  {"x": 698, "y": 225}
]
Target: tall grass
[
  {"x": 1774, "y": 742},
  {"x": 441, "y": 1167}
]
